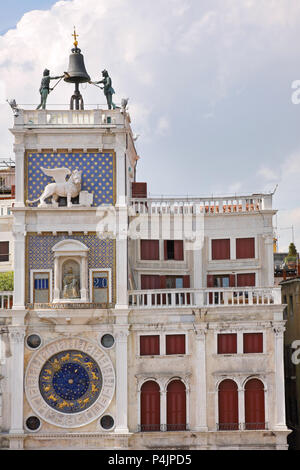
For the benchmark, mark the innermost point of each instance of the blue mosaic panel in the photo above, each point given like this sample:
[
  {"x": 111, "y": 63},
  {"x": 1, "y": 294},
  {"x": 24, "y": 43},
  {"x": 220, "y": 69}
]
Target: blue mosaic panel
[
  {"x": 41, "y": 256},
  {"x": 97, "y": 173}
]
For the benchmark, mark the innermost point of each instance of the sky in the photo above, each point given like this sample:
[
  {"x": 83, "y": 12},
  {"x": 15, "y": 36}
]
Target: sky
[{"x": 212, "y": 87}]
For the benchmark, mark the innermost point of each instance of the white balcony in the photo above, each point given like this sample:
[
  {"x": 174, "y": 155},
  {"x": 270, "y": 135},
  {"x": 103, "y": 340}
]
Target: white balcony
[
  {"x": 206, "y": 206},
  {"x": 196, "y": 298}
]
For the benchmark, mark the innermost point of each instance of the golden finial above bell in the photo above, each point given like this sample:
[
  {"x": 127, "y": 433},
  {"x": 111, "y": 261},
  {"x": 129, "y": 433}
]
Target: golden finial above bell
[{"x": 75, "y": 37}]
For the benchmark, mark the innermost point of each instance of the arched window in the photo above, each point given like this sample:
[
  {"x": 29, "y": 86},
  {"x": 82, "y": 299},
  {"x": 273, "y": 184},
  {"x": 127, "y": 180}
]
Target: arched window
[
  {"x": 176, "y": 406},
  {"x": 228, "y": 406},
  {"x": 254, "y": 404},
  {"x": 150, "y": 406}
]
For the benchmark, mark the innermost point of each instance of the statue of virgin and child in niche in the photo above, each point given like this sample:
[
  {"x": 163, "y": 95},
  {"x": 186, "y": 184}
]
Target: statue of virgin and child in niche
[{"x": 71, "y": 288}]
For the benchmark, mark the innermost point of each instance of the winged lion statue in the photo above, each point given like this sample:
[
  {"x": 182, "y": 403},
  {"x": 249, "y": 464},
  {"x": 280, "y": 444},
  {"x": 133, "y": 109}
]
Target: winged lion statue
[{"x": 67, "y": 184}]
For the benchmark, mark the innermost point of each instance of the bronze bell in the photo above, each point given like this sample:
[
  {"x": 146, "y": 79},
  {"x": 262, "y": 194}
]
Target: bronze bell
[
  {"x": 76, "y": 71},
  {"x": 76, "y": 74}
]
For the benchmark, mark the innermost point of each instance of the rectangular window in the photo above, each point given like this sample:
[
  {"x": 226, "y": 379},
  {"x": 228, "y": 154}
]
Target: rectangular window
[
  {"x": 246, "y": 280},
  {"x": 245, "y": 248},
  {"x": 4, "y": 251},
  {"x": 100, "y": 287},
  {"x": 149, "y": 345},
  {"x": 173, "y": 250},
  {"x": 175, "y": 344},
  {"x": 227, "y": 343},
  {"x": 221, "y": 281},
  {"x": 150, "y": 249},
  {"x": 253, "y": 342},
  {"x": 220, "y": 249},
  {"x": 291, "y": 306},
  {"x": 41, "y": 286}
]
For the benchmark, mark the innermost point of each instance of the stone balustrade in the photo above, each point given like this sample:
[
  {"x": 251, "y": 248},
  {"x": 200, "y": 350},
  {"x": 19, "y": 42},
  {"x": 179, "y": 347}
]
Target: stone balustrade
[
  {"x": 209, "y": 297},
  {"x": 207, "y": 206},
  {"x": 74, "y": 118}
]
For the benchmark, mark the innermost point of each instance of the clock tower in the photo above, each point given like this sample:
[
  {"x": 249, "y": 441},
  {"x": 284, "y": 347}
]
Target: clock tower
[{"x": 69, "y": 322}]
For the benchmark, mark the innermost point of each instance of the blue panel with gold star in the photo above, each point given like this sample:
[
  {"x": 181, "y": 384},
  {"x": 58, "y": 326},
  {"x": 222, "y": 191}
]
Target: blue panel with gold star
[
  {"x": 98, "y": 173},
  {"x": 70, "y": 381}
]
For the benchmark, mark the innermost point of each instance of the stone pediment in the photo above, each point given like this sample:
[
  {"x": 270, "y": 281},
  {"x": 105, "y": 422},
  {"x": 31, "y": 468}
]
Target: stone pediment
[{"x": 70, "y": 246}]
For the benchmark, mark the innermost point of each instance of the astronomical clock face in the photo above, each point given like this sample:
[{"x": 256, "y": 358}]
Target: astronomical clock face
[{"x": 70, "y": 381}]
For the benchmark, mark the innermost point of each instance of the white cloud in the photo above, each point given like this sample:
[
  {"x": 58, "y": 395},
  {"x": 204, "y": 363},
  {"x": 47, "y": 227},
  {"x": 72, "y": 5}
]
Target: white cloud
[
  {"x": 268, "y": 174},
  {"x": 163, "y": 125},
  {"x": 167, "y": 55}
]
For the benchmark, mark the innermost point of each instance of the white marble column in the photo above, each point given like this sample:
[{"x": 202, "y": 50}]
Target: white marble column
[
  {"x": 163, "y": 406},
  {"x": 200, "y": 382},
  {"x": 269, "y": 260},
  {"x": 16, "y": 381},
  {"x": 121, "y": 258},
  {"x": 56, "y": 295},
  {"x": 84, "y": 279},
  {"x": 121, "y": 334},
  {"x": 280, "y": 420},
  {"x": 19, "y": 268}
]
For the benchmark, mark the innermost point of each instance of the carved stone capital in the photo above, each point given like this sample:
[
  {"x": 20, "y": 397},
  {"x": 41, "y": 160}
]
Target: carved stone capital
[
  {"x": 278, "y": 329},
  {"x": 200, "y": 332},
  {"x": 121, "y": 334},
  {"x": 16, "y": 335}
]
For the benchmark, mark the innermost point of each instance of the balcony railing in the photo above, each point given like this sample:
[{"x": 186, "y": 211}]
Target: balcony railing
[
  {"x": 176, "y": 298},
  {"x": 241, "y": 426},
  {"x": 82, "y": 118},
  {"x": 6, "y": 300},
  {"x": 207, "y": 206},
  {"x": 162, "y": 427}
]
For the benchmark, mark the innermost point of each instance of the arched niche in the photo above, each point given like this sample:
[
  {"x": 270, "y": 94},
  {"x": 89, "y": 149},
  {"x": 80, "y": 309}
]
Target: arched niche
[{"x": 70, "y": 271}]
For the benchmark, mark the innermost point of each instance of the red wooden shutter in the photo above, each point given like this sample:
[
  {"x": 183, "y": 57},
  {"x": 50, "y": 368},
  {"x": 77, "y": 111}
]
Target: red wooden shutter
[
  {"x": 162, "y": 282},
  {"x": 176, "y": 406},
  {"x": 150, "y": 249},
  {"x": 210, "y": 283},
  {"x": 231, "y": 280},
  {"x": 221, "y": 249},
  {"x": 228, "y": 406},
  {"x": 186, "y": 282},
  {"x": 187, "y": 285},
  {"x": 150, "y": 281},
  {"x": 253, "y": 342},
  {"x": 246, "y": 280},
  {"x": 178, "y": 250},
  {"x": 165, "y": 249},
  {"x": 150, "y": 407},
  {"x": 254, "y": 404},
  {"x": 227, "y": 343},
  {"x": 245, "y": 248},
  {"x": 139, "y": 190},
  {"x": 149, "y": 345},
  {"x": 175, "y": 344}
]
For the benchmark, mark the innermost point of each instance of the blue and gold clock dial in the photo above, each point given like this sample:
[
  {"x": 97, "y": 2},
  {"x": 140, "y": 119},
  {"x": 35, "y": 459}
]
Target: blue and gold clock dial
[{"x": 70, "y": 381}]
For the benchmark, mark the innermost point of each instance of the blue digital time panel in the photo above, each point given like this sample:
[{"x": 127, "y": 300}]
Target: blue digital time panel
[
  {"x": 98, "y": 173},
  {"x": 70, "y": 381}
]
